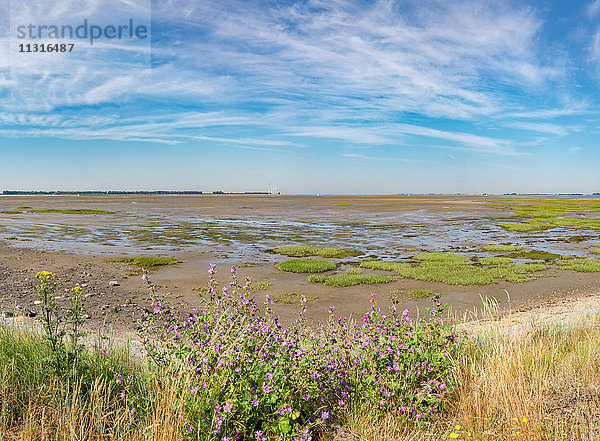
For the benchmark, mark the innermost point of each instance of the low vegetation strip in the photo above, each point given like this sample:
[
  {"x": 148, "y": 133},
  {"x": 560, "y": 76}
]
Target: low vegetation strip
[
  {"x": 304, "y": 251},
  {"x": 454, "y": 269},
  {"x": 146, "y": 262},
  {"x": 502, "y": 248},
  {"x": 292, "y": 298},
  {"x": 546, "y": 214},
  {"x": 351, "y": 279},
  {"x": 72, "y": 211},
  {"x": 534, "y": 255},
  {"x": 306, "y": 265},
  {"x": 580, "y": 264}
]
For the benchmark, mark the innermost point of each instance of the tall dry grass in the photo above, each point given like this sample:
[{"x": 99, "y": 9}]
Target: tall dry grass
[{"x": 527, "y": 381}]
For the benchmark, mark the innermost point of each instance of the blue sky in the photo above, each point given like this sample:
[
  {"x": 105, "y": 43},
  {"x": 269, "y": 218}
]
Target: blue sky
[{"x": 333, "y": 96}]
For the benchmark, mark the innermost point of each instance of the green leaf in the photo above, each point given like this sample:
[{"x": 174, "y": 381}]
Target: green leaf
[{"x": 284, "y": 425}]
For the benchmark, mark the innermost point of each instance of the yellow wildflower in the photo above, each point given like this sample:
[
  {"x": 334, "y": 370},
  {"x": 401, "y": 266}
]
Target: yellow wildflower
[
  {"x": 76, "y": 290},
  {"x": 453, "y": 435},
  {"x": 524, "y": 419},
  {"x": 45, "y": 275}
]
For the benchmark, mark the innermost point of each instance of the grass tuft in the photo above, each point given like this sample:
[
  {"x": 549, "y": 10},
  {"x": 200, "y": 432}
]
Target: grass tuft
[
  {"x": 453, "y": 269},
  {"x": 534, "y": 255},
  {"x": 260, "y": 285},
  {"x": 580, "y": 265},
  {"x": 306, "y": 266},
  {"x": 495, "y": 260},
  {"x": 502, "y": 248},
  {"x": 291, "y": 298},
  {"x": 351, "y": 278},
  {"x": 146, "y": 262},
  {"x": 304, "y": 251},
  {"x": 526, "y": 226},
  {"x": 73, "y": 211}
]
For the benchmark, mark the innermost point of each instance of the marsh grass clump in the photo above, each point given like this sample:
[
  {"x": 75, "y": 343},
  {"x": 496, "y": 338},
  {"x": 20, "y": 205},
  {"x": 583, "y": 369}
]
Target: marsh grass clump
[
  {"x": 292, "y": 298},
  {"x": 580, "y": 238},
  {"x": 351, "y": 278},
  {"x": 551, "y": 214},
  {"x": 582, "y": 265},
  {"x": 304, "y": 251},
  {"x": 146, "y": 262},
  {"x": 534, "y": 255},
  {"x": 306, "y": 265},
  {"x": 581, "y": 223},
  {"x": 526, "y": 226},
  {"x": 10, "y": 212},
  {"x": 502, "y": 248},
  {"x": 495, "y": 260},
  {"x": 454, "y": 269},
  {"x": 72, "y": 211}
]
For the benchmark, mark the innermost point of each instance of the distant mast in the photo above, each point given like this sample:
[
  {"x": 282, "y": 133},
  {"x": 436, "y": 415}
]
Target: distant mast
[{"x": 273, "y": 188}]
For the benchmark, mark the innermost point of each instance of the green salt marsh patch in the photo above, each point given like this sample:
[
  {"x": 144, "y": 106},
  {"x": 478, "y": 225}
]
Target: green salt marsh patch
[
  {"x": 495, "y": 260},
  {"x": 290, "y": 298},
  {"x": 306, "y": 266},
  {"x": 580, "y": 238},
  {"x": 351, "y": 278},
  {"x": 304, "y": 251},
  {"x": 534, "y": 255},
  {"x": 550, "y": 214},
  {"x": 581, "y": 265},
  {"x": 526, "y": 226},
  {"x": 341, "y": 205},
  {"x": 73, "y": 211},
  {"x": 505, "y": 248},
  {"x": 245, "y": 207},
  {"x": 11, "y": 212},
  {"x": 453, "y": 269},
  {"x": 146, "y": 262}
]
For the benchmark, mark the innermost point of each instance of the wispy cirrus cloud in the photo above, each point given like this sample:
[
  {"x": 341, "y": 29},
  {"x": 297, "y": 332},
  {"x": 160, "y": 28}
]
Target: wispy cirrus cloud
[{"x": 341, "y": 70}]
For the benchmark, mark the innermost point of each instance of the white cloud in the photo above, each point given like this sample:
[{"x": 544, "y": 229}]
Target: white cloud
[
  {"x": 553, "y": 129},
  {"x": 317, "y": 69},
  {"x": 575, "y": 150},
  {"x": 593, "y": 8}
]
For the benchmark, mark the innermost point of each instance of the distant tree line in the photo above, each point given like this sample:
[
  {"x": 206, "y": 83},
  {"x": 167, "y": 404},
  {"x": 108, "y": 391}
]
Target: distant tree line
[{"x": 157, "y": 192}]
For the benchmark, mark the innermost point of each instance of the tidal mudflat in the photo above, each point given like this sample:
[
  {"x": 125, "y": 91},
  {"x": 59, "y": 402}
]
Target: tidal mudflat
[{"x": 526, "y": 250}]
